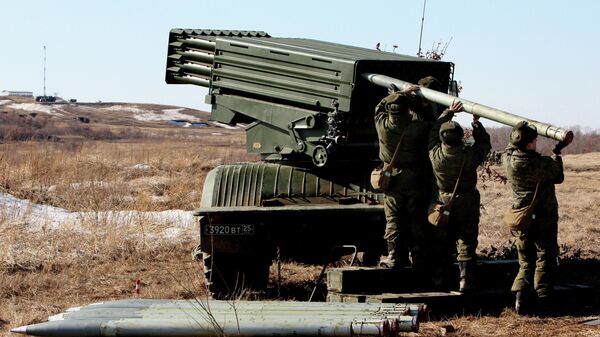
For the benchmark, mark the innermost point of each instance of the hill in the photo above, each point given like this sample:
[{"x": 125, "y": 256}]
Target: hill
[{"x": 22, "y": 118}]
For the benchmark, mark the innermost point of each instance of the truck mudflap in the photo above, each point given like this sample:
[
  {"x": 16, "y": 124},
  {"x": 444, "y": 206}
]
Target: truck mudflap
[{"x": 303, "y": 233}]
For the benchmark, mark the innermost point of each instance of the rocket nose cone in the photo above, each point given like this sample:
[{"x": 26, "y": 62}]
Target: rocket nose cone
[{"x": 21, "y": 329}]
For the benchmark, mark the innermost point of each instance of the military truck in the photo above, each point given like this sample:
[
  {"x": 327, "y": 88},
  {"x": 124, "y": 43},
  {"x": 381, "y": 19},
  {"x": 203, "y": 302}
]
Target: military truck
[{"x": 307, "y": 108}]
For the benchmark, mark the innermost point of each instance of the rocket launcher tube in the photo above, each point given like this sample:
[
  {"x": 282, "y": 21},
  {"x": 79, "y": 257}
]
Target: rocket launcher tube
[
  {"x": 217, "y": 305},
  {"x": 282, "y": 328},
  {"x": 503, "y": 117},
  {"x": 219, "y": 315},
  {"x": 185, "y": 318}
]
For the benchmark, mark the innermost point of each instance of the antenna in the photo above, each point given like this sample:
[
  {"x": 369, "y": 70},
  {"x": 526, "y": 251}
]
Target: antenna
[
  {"x": 44, "y": 71},
  {"x": 446, "y": 46},
  {"x": 421, "y": 34}
]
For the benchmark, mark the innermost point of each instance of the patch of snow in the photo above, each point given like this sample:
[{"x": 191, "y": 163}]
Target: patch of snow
[
  {"x": 5, "y": 101},
  {"x": 87, "y": 184},
  {"x": 141, "y": 167},
  {"x": 172, "y": 233},
  {"x": 150, "y": 115},
  {"x": 167, "y": 115},
  {"x": 159, "y": 199},
  {"x": 173, "y": 111},
  {"x": 48, "y": 109},
  {"x": 34, "y": 215},
  {"x": 225, "y": 126},
  {"x": 42, "y": 217},
  {"x": 124, "y": 108}
]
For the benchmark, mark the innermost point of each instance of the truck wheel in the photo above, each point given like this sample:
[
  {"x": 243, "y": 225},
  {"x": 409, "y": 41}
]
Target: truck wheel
[{"x": 230, "y": 276}]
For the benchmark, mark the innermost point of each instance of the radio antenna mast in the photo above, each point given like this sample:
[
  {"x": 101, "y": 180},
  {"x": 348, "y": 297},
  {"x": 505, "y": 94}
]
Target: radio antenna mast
[
  {"x": 44, "y": 71},
  {"x": 421, "y": 34}
]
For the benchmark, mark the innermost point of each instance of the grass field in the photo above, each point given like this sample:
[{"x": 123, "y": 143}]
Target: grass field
[{"x": 44, "y": 269}]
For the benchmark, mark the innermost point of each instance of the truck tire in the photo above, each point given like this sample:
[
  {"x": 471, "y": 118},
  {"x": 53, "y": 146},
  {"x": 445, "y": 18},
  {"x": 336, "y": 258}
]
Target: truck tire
[{"x": 234, "y": 276}]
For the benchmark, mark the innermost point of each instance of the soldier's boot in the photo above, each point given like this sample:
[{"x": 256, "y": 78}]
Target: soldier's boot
[
  {"x": 467, "y": 276},
  {"x": 522, "y": 302},
  {"x": 391, "y": 261},
  {"x": 519, "y": 303},
  {"x": 545, "y": 306}
]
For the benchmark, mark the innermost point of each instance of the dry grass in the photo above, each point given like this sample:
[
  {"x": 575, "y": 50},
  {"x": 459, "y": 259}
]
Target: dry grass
[
  {"x": 44, "y": 272},
  {"x": 509, "y": 325},
  {"x": 95, "y": 176}
]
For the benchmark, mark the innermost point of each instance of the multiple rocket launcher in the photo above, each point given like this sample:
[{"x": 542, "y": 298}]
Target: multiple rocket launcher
[
  {"x": 139, "y": 317},
  {"x": 298, "y": 96},
  {"x": 301, "y": 97}
]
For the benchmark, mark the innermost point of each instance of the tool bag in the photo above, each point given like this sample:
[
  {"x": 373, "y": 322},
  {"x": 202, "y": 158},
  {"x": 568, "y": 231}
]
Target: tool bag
[
  {"x": 381, "y": 176},
  {"x": 439, "y": 213},
  {"x": 520, "y": 219}
]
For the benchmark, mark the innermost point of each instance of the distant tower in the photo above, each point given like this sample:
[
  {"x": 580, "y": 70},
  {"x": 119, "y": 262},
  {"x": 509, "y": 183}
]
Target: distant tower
[{"x": 44, "y": 71}]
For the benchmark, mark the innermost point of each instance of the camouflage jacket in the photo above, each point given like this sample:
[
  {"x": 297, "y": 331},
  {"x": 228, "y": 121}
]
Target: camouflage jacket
[
  {"x": 411, "y": 162},
  {"x": 447, "y": 160},
  {"x": 424, "y": 112},
  {"x": 524, "y": 170}
]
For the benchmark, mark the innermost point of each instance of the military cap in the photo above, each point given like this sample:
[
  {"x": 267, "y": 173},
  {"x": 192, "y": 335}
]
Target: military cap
[
  {"x": 522, "y": 134},
  {"x": 397, "y": 102},
  {"x": 451, "y": 133},
  {"x": 430, "y": 82}
]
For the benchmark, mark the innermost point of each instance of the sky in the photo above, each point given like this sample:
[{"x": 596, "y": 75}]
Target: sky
[{"x": 535, "y": 58}]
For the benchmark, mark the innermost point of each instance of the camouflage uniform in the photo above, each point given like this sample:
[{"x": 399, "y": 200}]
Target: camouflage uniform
[
  {"x": 423, "y": 109},
  {"x": 537, "y": 247},
  {"x": 447, "y": 159},
  {"x": 406, "y": 200}
]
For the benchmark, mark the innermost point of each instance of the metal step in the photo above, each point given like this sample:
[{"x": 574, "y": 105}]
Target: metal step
[
  {"x": 494, "y": 280},
  {"x": 372, "y": 280}
]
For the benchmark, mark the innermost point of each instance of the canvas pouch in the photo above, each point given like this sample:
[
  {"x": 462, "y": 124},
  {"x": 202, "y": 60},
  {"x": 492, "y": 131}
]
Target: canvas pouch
[
  {"x": 381, "y": 177},
  {"x": 439, "y": 214},
  {"x": 519, "y": 219}
]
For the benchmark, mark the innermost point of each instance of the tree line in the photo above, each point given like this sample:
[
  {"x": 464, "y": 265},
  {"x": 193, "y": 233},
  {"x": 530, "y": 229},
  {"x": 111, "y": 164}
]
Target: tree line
[{"x": 585, "y": 140}]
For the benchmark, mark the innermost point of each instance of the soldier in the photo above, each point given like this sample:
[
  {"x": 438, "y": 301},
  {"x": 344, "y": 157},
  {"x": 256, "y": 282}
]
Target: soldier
[
  {"x": 528, "y": 170},
  {"x": 453, "y": 160},
  {"x": 426, "y": 110},
  {"x": 406, "y": 200},
  {"x": 421, "y": 108}
]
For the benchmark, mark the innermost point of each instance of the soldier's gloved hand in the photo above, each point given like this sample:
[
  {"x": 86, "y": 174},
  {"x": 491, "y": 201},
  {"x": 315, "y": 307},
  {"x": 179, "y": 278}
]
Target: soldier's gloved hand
[
  {"x": 411, "y": 90},
  {"x": 456, "y": 106},
  {"x": 559, "y": 146},
  {"x": 475, "y": 123},
  {"x": 392, "y": 89}
]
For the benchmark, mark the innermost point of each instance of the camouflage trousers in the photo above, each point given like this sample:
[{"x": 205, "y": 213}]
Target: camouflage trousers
[
  {"x": 459, "y": 237},
  {"x": 406, "y": 222},
  {"x": 538, "y": 250}
]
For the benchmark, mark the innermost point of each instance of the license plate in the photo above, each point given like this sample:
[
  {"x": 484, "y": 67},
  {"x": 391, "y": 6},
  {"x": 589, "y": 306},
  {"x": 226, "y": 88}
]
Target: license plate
[{"x": 229, "y": 229}]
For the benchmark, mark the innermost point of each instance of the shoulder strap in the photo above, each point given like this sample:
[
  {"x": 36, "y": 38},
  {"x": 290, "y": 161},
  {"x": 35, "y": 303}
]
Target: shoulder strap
[
  {"x": 393, "y": 161},
  {"x": 535, "y": 193},
  {"x": 462, "y": 165}
]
